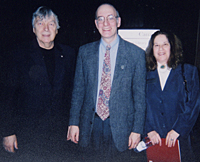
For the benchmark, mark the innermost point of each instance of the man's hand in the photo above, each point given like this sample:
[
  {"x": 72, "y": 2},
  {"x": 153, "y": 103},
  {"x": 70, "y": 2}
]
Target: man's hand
[
  {"x": 154, "y": 138},
  {"x": 73, "y": 133},
  {"x": 134, "y": 139},
  {"x": 10, "y": 143},
  {"x": 171, "y": 138}
]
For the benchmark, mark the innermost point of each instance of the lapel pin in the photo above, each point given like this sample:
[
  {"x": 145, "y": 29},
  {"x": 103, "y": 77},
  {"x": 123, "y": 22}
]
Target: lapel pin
[
  {"x": 122, "y": 67},
  {"x": 61, "y": 56}
]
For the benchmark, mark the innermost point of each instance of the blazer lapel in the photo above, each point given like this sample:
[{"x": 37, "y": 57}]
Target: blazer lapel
[
  {"x": 93, "y": 64},
  {"x": 171, "y": 79},
  {"x": 36, "y": 54},
  {"x": 59, "y": 66},
  {"x": 153, "y": 79},
  {"x": 38, "y": 68},
  {"x": 120, "y": 66}
]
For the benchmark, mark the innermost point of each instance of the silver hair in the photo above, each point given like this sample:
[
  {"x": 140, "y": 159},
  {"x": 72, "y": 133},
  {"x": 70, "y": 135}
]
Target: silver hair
[
  {"x": 109, "y": 5},
  {"x": 43, "y": 12}
]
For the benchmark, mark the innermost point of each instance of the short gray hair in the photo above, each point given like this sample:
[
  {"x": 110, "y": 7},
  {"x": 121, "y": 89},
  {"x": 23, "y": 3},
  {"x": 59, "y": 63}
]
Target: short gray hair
[{"x": 43, "y": 12}]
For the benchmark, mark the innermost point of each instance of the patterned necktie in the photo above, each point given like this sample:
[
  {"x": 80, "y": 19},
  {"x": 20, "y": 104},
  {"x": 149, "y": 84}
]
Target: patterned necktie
[{"x": 105, "y": 87}]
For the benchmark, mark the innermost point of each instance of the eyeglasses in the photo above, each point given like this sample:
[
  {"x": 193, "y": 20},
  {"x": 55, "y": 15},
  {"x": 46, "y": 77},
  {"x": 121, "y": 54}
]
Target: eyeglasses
[{"x": 110, "y": 19}]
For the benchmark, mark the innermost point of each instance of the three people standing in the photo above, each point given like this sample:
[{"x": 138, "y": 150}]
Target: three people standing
[{"x": 108, "y": 104}]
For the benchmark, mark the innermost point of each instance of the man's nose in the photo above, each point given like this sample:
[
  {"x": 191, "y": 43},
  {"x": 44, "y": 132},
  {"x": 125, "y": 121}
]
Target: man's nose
[
  {"x": 46, "y": 28},
  {"x": 106, "y": 22}
]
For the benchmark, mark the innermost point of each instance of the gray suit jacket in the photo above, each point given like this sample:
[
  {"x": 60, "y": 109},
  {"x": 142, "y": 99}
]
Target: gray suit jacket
[{"x": 127, "y": 98}]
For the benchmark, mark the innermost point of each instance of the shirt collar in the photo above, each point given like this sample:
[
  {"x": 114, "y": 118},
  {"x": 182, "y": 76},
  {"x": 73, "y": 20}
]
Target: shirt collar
[
  {"x": 165, "y": 67},
  {"x": 112, "y": 44}
]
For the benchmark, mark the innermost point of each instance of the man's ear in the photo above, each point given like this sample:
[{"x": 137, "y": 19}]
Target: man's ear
[
  {"x": 33, "y": 30},
  {"x": 118, "y": 22},
  {"x": 96, "y": 23}
]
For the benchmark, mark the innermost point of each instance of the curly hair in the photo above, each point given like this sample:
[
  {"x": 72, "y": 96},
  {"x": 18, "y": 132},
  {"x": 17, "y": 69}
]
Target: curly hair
[{"x": 176, "y": 51}]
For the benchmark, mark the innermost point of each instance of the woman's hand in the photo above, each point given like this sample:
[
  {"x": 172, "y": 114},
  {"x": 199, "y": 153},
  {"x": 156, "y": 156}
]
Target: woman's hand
[
  {"x": 154, "y": 138},
  {"x": 171, "y": 138}
]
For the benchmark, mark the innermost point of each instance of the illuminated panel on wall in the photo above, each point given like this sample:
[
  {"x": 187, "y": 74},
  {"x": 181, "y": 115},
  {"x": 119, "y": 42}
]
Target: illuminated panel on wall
[{"x": 139, "y": 37}]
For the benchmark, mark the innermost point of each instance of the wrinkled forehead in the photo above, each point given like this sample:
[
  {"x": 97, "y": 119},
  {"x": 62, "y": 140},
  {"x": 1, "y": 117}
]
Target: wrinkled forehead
[{"x": 45, "y": 18}]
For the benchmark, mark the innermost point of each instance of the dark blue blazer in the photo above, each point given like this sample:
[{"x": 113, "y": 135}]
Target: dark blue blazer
[
  {"x": 168, "y": 109},
  {"x": 127, "y": 98},
  {"x": 31, "y": 99}
]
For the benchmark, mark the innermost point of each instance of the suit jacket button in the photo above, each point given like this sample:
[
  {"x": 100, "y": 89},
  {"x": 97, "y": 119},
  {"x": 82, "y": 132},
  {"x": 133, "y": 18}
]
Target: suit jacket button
[{"x": 90, "y": 122}]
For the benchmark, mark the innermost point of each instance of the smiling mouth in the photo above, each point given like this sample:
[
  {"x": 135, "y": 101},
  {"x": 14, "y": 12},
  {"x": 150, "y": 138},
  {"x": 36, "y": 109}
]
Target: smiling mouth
[
  {"x": 46, "y": 35},
  {"x": 161, "y": 54},
  {"x": 106, "y": 29}
]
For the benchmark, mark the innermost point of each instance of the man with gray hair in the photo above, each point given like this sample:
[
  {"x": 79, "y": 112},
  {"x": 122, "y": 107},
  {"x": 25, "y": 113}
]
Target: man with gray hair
[{"x": 38, "y": 87}]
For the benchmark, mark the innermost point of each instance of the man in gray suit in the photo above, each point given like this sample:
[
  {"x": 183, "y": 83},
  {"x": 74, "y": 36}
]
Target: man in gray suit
[{"x": 121, "y": 128}]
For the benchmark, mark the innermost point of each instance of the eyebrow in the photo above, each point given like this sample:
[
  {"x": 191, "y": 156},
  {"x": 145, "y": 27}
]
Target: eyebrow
[
  {"x": 53, "y": 21},
  {"x": 38, "y": 20},
  {"x": 163, "y": 42}
]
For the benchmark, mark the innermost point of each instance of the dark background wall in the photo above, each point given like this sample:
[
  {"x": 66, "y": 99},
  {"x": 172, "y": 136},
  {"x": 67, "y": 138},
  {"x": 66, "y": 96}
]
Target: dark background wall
[
  {"x": 77, "y": 20},
  {"x": 77, "y": 24}
]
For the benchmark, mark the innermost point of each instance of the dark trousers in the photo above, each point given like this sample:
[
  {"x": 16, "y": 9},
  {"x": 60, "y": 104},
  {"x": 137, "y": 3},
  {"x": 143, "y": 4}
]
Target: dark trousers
[
  {"x": 102, "y": 147},
  {"x": 45, "y": 143}
]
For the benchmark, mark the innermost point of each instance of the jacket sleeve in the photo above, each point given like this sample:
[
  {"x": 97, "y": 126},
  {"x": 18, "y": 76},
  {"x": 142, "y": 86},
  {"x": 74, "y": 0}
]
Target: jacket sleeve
[
  {"x": 138, "y": 90},
  {"x": 78, "y": 91},
  {"x": 9, "y": 87},
  {"x": 188, "y": 117}
]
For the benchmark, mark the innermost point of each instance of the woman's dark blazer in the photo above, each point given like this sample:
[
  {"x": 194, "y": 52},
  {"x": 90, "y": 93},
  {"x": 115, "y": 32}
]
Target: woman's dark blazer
[{"x": 168, "y": 109}]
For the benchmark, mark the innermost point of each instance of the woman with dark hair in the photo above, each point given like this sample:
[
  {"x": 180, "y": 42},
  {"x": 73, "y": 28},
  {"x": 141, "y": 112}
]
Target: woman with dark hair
[{"x": 172, "y": 93}]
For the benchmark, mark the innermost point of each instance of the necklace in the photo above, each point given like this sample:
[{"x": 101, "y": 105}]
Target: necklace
[{"x": 162, "y": 66}]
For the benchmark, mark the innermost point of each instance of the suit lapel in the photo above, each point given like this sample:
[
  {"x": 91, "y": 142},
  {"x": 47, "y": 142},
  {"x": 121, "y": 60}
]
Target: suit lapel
[
  {"x": 59, "y": 65},
  {"x": 153, "y": 79},
  {"x": 36, "y": 55},
  {"x": 172, "y": 79},
  {"x": 93, "y": 65},
  {"x": 120, "y": 66},
  {"x": 38, "y": 68}
]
